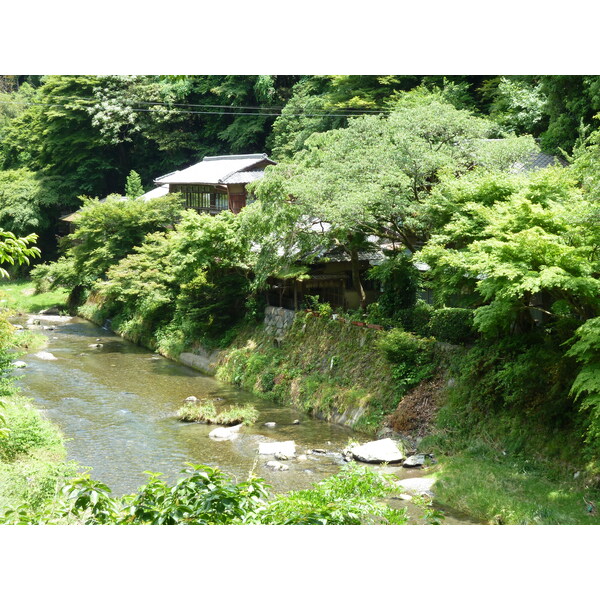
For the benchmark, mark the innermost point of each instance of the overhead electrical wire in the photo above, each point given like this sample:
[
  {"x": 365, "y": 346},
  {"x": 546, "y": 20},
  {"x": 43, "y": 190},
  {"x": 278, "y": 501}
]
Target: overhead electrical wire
[
  {"x": 229, "y": 110},
  {"x": 241, "y": 106}
]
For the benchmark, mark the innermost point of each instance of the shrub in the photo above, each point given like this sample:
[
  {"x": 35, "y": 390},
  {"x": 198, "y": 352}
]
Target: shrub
[
  {"x": 417, "y": 319},
  {"x": 411, "y": 357},
  {"x": 453, "y": 325},
  {"x": 403, "y": 347},
  {"x": 349, "y": 498},
  {"x": 27, "y": 430}
]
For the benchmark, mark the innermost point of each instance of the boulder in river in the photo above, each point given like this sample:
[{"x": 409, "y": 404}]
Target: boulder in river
[
  {"x": 416, "y": 460},
  {"x": 53, "y": 310},
  {"x": 287, "y": 448},
  {"x": 418, "y": 485},
  {"x": 281, "y": 456},
  {"x": 43, "y": 355},
  {"x": 95, "y": 345},
  {"x": 276, "y": 466},
  {"x": 270, "y": 424},
  {"x": 19, "y": 364},
  {"x": 191, "y": 399},
  {"x": 379, "y": 451},
  {"x": 225, "y": 433}
]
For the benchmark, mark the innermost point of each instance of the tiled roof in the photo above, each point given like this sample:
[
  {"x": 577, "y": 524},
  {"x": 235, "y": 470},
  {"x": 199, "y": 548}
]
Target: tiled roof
[
  {"x": 243, "y": 177},
  {"x": 537, "y": 161},
  {"x": 214, "y": 169}
]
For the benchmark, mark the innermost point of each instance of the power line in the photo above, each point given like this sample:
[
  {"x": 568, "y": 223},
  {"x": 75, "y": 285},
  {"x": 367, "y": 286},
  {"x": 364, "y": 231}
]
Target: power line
[
  {"x": 241, "y": 106},
  {"x": 230, "y": 110}
]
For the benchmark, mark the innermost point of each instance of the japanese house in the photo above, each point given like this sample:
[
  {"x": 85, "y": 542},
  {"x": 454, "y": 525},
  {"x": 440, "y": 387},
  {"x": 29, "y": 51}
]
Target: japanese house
[{"x": 217, "y": 183}]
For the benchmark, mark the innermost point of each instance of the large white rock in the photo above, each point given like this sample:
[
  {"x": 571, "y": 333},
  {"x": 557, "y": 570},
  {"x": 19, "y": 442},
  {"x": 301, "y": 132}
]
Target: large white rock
[
  {"x": 225, "y": 433},
  {"x": 35, "y": 319},
  {"x": 43, "y": 355},
  {"x": 287, "y": 448},
  {"x": 379, "y": 451},
  {"x": 417, "y": 485},
  {"x": 276, "y": 466}
]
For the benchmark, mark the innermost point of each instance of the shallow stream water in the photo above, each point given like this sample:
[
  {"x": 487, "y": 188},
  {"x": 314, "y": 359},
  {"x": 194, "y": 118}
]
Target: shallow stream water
[{"x": 117, "y": 404}]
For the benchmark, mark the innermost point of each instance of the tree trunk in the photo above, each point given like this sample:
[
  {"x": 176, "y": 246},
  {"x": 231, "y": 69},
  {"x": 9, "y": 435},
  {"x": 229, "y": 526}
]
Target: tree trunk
[{"x": 356, "y": 278}]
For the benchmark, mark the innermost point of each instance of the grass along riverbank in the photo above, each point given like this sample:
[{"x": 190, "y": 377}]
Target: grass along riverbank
[
  {"x": 515, "y": 491},
  {"x": 20, "y": 296},
  {"x": 32, "y": 457}
]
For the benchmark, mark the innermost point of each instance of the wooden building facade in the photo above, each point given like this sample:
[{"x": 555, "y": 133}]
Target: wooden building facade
[{"x": 217, "y": 183}]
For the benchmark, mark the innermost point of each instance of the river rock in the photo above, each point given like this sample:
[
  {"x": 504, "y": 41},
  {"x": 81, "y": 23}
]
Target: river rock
[
  {"x": 270, "y": 424},
  {"x": 225, "y": 433},
  {"x": 296, "y": 422},
  {"x": 287, "y": 448},
  {"x": 18, "y": 327},
  {"x": 302, "y": 457},
  {"x": 276, "y": 466},
  {"x": 95, "y": 345},
  {"x": 405, "y": 497},
  {"x": 190, "y": 400},
  {"x": 417, "y": 485},
  {"x": 379, "y": 451},
  {"x": 36, "y": 319},
  {"x": 416, "y": 460},
  {"x": 281, "y": 456},
  {"x": 19, "y": 364},
  {"x": 53, "y": 310},
  {"x": 43, "y": 355}
]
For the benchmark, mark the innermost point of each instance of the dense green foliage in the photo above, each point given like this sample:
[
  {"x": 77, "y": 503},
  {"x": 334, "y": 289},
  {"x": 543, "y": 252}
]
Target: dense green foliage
[
  {"x": 205, "y": 496},
  {"x": 453, "y": 325},
  {"x": 507, "y": 257},
  {"x": 82, "y": 135}
]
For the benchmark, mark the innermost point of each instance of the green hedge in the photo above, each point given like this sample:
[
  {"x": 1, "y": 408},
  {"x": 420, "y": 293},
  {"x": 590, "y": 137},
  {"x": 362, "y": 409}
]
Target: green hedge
[{"x": 453, "y": 325}]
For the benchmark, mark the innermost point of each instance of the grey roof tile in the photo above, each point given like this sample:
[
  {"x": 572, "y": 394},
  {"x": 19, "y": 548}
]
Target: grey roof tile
[{"x": 214, "y": 169}]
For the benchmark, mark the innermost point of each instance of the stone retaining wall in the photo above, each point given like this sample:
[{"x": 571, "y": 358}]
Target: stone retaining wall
[
  {"x": 278, "y": 320},
  {"x": 202, "y": 360}
]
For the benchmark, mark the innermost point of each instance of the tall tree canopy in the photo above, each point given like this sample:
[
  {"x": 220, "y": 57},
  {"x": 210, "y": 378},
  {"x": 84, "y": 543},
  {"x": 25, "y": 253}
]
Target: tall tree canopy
[{"x": 375, "y": 177}]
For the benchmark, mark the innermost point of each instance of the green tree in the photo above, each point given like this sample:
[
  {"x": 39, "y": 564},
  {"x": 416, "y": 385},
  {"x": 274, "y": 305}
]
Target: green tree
[
  {"x": 530, "y": 256},
  {"x": 571, "y": 100},
  {"x": 108, "y": 231},
  {"x": 373, "y": 178},
  {"x": 133, "y": 186}
]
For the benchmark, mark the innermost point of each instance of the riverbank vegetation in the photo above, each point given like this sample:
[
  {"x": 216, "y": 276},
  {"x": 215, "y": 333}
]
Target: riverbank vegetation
[
  {"x": 206, "y": 496},
  {"x": 440, "y": 182},
  {"x": 21, "y": 296},
  {"x": 32, "y": 454},
  {"x": 205, "y": 411}
]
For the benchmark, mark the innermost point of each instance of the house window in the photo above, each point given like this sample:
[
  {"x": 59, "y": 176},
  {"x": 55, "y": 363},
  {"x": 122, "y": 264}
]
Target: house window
[{"x": 203, "y": 198}]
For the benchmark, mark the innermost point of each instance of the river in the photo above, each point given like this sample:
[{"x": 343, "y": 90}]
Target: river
[{"x": 116, "y": 405}]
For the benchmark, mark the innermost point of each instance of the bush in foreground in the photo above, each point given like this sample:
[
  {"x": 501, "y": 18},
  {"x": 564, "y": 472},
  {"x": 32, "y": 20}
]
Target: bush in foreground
[{"x": 207, "y": 496}]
